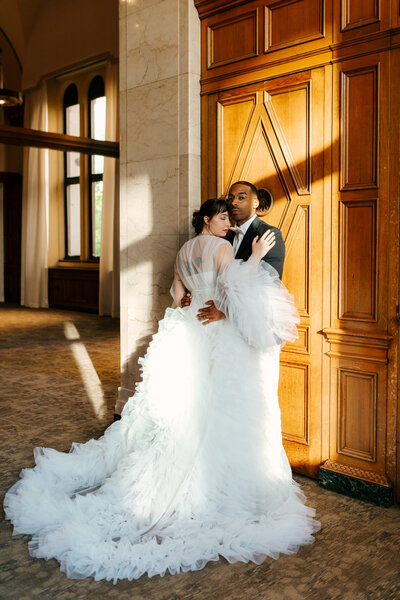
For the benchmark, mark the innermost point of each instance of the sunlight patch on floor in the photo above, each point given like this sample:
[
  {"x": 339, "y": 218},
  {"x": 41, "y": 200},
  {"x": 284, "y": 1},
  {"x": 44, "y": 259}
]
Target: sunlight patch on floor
[{"x": 88, "y": 373}]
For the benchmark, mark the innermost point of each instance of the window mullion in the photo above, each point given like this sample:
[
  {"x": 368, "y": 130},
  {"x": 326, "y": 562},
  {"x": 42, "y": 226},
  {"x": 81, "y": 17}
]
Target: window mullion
[
  {"x": 71, "y": 180},
  {"x": 97, "y": 125},
  {"x": 96, "y": 177},
  {"x": 71, "y": 126},
  {"x": 84, "y": 207},
  {"x": 84, "y": 182}
]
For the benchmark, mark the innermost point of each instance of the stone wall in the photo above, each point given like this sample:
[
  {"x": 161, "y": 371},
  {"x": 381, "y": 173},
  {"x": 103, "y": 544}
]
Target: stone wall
[{"x": 159, "y": 164}]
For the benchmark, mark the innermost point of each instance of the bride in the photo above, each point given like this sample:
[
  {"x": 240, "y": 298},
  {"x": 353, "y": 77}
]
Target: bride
[{"x": 195, "y": 469}]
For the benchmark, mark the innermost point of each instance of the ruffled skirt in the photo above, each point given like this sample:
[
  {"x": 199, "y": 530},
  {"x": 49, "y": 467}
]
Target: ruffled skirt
[{"x": 194, "y": 470}]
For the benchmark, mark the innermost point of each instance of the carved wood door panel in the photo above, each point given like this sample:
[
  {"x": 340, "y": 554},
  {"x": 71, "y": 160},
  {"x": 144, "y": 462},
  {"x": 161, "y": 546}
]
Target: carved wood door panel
[{"x": 272, "y": 134}]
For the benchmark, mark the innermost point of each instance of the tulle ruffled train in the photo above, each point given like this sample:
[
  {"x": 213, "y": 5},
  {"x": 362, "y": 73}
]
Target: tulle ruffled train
[{"x": 193, "y": 471}]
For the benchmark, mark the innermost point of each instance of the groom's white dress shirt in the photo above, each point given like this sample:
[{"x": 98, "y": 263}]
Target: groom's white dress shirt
[{"x": 240, "y": 232}]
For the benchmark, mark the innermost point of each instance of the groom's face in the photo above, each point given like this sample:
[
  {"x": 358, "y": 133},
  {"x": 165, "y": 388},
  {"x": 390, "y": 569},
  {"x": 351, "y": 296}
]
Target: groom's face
[{"x": 242, "y": 203}]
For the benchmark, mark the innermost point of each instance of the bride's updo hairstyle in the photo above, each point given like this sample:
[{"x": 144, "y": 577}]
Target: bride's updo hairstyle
[
  {"x": 264, "y": 197},
  {"x": 209, "y": 208}
]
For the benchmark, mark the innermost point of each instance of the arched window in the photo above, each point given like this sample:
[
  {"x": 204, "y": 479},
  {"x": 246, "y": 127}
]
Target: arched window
[
  {"x": 72, "y": 169},
  {"x": 84, "y": 111},
  {"x": 97, "y": 130}
]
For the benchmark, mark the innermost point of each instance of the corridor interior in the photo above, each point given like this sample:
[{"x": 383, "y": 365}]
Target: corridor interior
[{"x": 59, "y": 374}]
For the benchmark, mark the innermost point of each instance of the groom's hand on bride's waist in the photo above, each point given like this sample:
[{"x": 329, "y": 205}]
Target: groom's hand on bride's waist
[{"x": 209, "y": 313}]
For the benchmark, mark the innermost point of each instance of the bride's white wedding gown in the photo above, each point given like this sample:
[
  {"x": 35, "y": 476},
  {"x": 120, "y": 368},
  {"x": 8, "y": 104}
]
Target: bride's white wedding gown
[{"x": 195, "y": 469}]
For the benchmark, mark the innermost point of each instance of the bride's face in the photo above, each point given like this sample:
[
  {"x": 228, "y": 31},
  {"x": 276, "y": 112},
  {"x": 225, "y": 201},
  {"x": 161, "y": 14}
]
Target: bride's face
[{"x": 218, "y": 225}]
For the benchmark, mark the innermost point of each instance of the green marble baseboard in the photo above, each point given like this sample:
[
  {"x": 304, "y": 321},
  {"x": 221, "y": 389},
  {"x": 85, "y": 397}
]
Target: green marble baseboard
[{"x": 343, "y": 483}]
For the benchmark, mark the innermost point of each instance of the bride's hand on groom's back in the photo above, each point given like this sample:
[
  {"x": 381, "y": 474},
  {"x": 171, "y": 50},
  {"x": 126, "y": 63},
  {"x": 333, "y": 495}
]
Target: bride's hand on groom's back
[
  {"x": 262, "y": 245},
  {"x": 186, "y": 300}
]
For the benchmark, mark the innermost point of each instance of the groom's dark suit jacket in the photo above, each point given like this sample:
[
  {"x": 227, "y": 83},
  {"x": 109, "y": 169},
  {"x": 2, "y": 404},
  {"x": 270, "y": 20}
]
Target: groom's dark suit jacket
[{"x": 275, "y": 256}]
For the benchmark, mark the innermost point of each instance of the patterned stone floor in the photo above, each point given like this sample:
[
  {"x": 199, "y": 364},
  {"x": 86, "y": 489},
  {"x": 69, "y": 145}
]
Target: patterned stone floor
[{"x": 59, "y": 372}]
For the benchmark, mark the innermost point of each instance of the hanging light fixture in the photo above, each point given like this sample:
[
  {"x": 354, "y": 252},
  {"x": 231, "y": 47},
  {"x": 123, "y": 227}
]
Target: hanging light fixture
[{"x": 8, "y": 97}]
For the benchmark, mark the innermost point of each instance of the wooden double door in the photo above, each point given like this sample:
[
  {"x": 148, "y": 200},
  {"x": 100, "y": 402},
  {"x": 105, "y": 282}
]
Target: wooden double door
[
  {"x": 301, "y": 97},
  {"x": 273, "y": 134}
]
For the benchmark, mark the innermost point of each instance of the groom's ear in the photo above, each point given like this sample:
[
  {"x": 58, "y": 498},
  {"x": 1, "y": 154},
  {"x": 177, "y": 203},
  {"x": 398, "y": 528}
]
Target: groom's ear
[{"x": 254, "y": 202}]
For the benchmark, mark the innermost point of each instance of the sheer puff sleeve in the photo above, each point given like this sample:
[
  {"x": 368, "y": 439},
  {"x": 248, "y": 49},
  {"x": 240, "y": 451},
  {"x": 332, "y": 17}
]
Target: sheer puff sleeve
[{"x": 254, "y": 299}]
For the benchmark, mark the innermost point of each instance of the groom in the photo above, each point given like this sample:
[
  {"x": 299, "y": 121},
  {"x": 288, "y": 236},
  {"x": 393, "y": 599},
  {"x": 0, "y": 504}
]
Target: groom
[{"x": 243, "y": 201}]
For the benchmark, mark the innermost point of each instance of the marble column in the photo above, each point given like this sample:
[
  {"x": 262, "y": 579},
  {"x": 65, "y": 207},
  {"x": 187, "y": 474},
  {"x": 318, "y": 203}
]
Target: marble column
[{"x": 159, "y": 163}]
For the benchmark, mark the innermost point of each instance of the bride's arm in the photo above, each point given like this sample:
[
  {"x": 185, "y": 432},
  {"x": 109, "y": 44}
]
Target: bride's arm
[
  {"x": 178, "y": 290},
  {"x": 259, "y": 248},
  {"x": 225, "y": 257},
  {"x": 254, "y": 299},
  {"x": 210, "y": 313}
]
